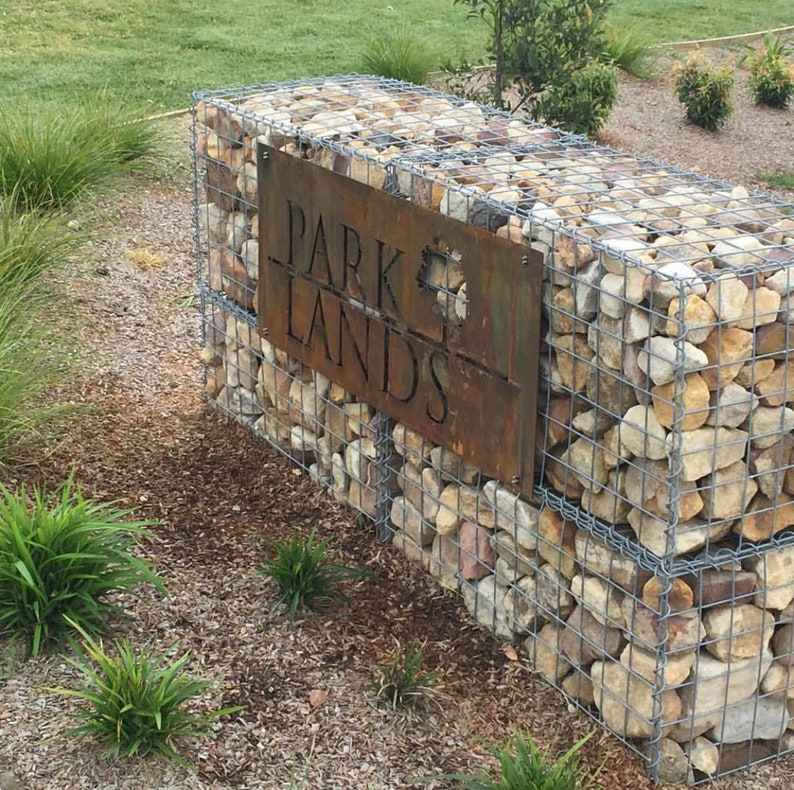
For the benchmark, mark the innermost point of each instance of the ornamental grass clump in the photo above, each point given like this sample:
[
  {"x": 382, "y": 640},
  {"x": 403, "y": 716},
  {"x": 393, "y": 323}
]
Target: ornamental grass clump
[
  {"x": 771, "y": 77},
  {"x": 49, "y": 159},
  {"x": 305, "y": 575},
  {"x": 705, "y": 91},
  {"x": 402, "y": 682},
  {"x": 60, "y": 556},
  {"x": 400, "y": 55},
  {"x": 136, "y": 700}
]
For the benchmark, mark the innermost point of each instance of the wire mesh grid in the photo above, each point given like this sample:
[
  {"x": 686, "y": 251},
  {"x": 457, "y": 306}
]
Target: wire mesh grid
[{"x": 633, "y": 580}]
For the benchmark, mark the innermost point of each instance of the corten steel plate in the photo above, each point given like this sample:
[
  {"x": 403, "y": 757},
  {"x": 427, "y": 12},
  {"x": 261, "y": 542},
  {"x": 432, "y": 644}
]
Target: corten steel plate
[{"x": 342, "y": 287}]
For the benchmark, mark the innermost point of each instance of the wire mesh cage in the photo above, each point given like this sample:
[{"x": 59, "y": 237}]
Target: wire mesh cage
[{"x": 651, "y": 576}]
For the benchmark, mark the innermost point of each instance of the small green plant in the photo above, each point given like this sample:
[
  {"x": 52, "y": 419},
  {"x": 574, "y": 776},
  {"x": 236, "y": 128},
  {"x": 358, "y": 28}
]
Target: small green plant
[
  {"x": 778, "y": 180},
  {"x": 59, "y": 557},
  {"x": 400, "y": 56},
  {"x": 305, "y": 575},
  {"x": 629, "y": 50},
  {"x": 50, "y": 159},
  {"x": 705, "y": 91},
  {"x": 401, "y": 683},
  {"x": 583, "y": 104},
  {"x": 771, "y": 77},
  {"x": 136, "y": 700},
  {"x": 524, "y": 766}
]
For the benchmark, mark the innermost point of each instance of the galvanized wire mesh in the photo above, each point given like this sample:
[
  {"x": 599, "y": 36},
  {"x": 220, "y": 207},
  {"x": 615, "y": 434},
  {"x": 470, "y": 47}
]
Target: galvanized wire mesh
[{"x": 651, "y": 579}]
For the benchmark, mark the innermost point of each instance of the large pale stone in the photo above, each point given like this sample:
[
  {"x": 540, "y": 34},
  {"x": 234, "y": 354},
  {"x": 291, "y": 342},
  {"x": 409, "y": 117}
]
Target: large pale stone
[
  {"x": 406, "y": 517},
  {"x": 411, "y": 444},
  {"x": 738, "y": 632},
  {"x": 643, "y": 663},
  {"x": 687, "y": 536},
  {"x": 684, "y": 630},
  {"x": 557, "y": 541},
  {"x": 754, "y": 372},
  {"x": 727, "y": 492},
  {"x": 774, "y": 572},
  {"x": 600, "y": 598},
  {"x": 578, "y": 686},
  {"x": 484, "y": 601},
  {"x": 778, "y": 387},
  {"x": 760, "y": 307},
  {"x": 551, "y": 593},
  {"x": 609, "y": 504},
  {"x": 520, "y": 604},
  {"x": 766, "y": 517},
  {"x": 573, "y": 356},
  {"x": 642, "y": 433},
  {"x": 731, "y": 405},
  {"x": 585, "y": 639},
  {"x": 513, "y": 514},
  {"x": 586, "y": 459},
  {"x": 757, "y": 719},
  {"x": 544, "y": 652},
  {"x": 704, "y": 755},
  {"x": 441, "y": 561},
  {"x": 688, "y": 407},
  {"x": 706, "y": 449},
  {"x": 767, "y": 423},
  {"x": 674, "y": 766},
  {"x": 661, "y": 358},
  {"x": 512, "y": 561},
  {"x": 599, "y": 559},
  {"x": 452, "y": 467},
  {"x": 460, "y": 502},
  {"x": 626, "y": 702},
  {"x": 671, "y": 279},
  {"x": 726, "y": 352},
  {"x": 604, "y": 338}
]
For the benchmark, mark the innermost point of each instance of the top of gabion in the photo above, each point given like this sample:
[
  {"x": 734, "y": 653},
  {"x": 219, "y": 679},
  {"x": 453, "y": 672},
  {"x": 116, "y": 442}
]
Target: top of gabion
[{"x": 680, "y": 225}]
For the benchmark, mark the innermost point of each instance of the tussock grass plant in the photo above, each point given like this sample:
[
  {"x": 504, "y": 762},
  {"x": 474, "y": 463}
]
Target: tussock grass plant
[
  {"x": 630, "y": 50},
  {"x": 400, "y": 55},
  {"x": 401, "y": 683},
  {"x": 50, "y": 158},
  {"x": 136, "y": 700},
  {"x": 60, "y": 555},
  {"x": 303, "y": 571},
  {"x": 524, "y": 766}
]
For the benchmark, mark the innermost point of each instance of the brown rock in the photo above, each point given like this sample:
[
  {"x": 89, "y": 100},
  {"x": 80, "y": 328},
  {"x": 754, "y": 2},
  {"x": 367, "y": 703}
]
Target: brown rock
[
  {"x": 476, "y": 553},
  {"x": 738, "y": 632},
  {"x": 406, "y": 517},
  {"x": 608, "y": 390},
  {"x": 774, "y": 572},
  {"x": 586, "y": 459},
  {"x": 727, "y": 492},
  {"x": 718, "y": 587},
  {"x": 441, "y": 561},
  {"x": 689, "y": 407},
  {"x": 771, "y": 466},
  {"x": 544, "y": 653},
  {"x": 772, "y": 338},
  {"x": 598, "y": 558},
  {"x": 600, "y": 598},
  {"x": 644, "y": 663},
  {"x": 727, "y": 350},
  {"x": 585, "y": 640},
  {"x": 557, "y": 542},
  {"x": 760, "y": 308},
  {"x": 766, "y": 517},
  {"x": 696, "y": 323},
  {"x": 578, "y": 686},
  {"x": 754, "y": 372},
  {"x": 679, "y": 597},
  {"x": 684, "y": 630},
  {"x": 777, "y": 388},
  {"x": 573, "y": 356}
]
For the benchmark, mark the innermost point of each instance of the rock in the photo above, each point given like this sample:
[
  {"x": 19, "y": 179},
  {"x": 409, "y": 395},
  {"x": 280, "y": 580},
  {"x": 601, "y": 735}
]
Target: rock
[
  {"x": 766, "y": 517},
  {"x": 670, "y": 279},
  {"x": 609, "y": 504},
  {"x": 642, "y": 433},
  {"x": 766, "y": 424},
  {"x": 520, "y": 604},
  {"x": 612, "y": 295},
  {"x": 727, "y": 492},
  {"x": 441, "y": 561},
  {"x": 778, "y": 679},
  {"x": 684, "y": 630},
  {"x": 706, "y": 449},
  {"x": 739, "y": 250},
  {"x": 476, "y": 554},
  {"x": 551, "y": 593},
  {"x": 422, "y": 488},
  {"x": 544, "y": 652},
  {"x": 755, "y": 371},
  {"x": 484, "y": 601},
  {"x": 719, "y": 587},
  {"x": 778, "y": 387},
  {"x": 661, "y": 358},
  {"x": 579, "y": 687},
  {"x": 636, "y": 325},
  {"x": 737, "y": 632},
  {"x": 586, "y": 459},
  {"x": 774, "y": 573},
  {"x": 513, "y": 514},
  {"x": 557, "y": 541},
  {"x": 673, "y": 763},
  {"x": 760, "y": 308},
  {"x": 773, "y": 337},
  {"x": 704, "y": 755},
  {"x": 626, "y": 702},
  {"x": 680, "y": 595},
  {"x": 460, "y": 502},
  {"x": 689, "y": 408},
  {"x": 585, "y": 639},
  {"x": 731, "y": 405},
  {"x": 406, "y": 517},
  {"x": 410, "y": 444},
  {"x": 643, "y": 663},
  {"x": 757, "y": 719},
  {"x": 652, "y": 533},
  {"x": 604, "y": 339},
  {"x": 727, "y": 296},
  {"x": 596, "y": 557},
  {"x": 696, "y": 322},
  {"x": 715, "y": 684},
  {"x": 726, "y": 352},
  {"x": 452, "y": 467},
  {"x": 573, "y": 355},
  {"x": 601, "y": 599},
  {"x": 608, "y": 390},
  {"x": 781, "y": 282}
]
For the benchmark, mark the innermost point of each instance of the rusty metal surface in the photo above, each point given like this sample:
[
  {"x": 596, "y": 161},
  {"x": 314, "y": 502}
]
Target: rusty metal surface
[{"x": 342, "y": 287}]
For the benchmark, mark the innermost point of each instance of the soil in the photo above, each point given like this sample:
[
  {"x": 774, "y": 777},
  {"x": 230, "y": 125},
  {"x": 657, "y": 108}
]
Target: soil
[{"x": 142, "y": 435}]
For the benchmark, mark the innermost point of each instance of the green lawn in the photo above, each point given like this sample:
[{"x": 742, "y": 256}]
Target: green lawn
[{"x": 155, "y": 52}]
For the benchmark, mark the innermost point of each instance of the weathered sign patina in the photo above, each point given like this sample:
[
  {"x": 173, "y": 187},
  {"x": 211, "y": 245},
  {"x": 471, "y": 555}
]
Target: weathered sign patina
[{"x": 344, "y": 288}]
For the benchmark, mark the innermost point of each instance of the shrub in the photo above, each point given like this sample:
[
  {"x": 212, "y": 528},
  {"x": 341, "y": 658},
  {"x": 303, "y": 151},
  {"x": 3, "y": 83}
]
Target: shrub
[
  {"x": 49, "y": 159},
  {"x": 136, "y": 701},
  {"x": 771, "y": 76},
  {"x": 401, "y": 683},
  {"x": 305, "y": 575},
  {"x": 400, "y": 56},
  {"x": 523, "y": 766},
  {"x": 583, "y": 104},
  {"x": 539, "y": 44},
  {"x": 630, "y": 51},
  {"x": 59, "y": 557},
  {"x": 705, "y": 91}
]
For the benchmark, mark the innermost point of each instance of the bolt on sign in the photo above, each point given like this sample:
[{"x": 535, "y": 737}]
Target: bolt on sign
[{"x": 432, "y": 321}]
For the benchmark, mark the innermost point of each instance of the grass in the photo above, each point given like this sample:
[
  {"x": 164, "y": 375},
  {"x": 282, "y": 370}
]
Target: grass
[
  {"x": 50, "y": 157},
  {"x": 629, "y": 49},
  {"x": 305, "y": 575},
  {"x": 778, "y": 180},
  {"x": 401, "y": 683},
  {"x": 153, "y": 55},
  {"x": 60, "y": 555},
  {"x": 136, "y": 701},
  {"x": 400, "y": 55}
]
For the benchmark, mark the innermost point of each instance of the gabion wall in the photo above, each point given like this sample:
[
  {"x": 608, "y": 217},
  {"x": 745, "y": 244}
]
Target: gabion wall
[{"x": 651, "y": 578}]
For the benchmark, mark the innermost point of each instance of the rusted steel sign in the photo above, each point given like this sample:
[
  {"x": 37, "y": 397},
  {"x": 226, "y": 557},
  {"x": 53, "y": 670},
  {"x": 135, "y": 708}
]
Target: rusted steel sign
[{"x": 349, "y": 284}]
